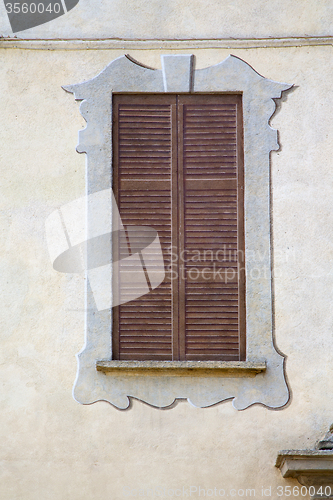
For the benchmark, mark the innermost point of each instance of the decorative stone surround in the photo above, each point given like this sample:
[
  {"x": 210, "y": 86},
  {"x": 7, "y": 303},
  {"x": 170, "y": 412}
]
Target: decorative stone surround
[{"x": 268, "y": 387}]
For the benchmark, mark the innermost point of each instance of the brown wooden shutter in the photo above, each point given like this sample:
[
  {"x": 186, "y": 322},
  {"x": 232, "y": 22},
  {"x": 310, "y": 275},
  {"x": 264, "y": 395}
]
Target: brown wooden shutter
[
  {"x": 178, "y": 167},
  {"x": 142, "y": 185},
  {"x": 210, "y": 166}
]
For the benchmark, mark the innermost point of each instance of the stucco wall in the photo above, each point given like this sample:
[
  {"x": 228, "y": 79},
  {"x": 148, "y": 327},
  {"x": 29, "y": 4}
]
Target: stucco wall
[
  {"x": 54, "y": 448},
  {"x": 185, "y": 19}
]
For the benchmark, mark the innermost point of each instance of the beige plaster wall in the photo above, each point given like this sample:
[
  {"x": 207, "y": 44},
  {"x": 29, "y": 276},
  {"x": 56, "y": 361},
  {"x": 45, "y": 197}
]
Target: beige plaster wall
[
  {"x": 53, "y": 448},
  {"x": 185, "y": 19}
]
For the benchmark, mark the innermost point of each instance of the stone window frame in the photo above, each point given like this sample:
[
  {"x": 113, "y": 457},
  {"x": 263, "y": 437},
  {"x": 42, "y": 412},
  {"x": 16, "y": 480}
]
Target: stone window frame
[{"x": 259, "y": 379}]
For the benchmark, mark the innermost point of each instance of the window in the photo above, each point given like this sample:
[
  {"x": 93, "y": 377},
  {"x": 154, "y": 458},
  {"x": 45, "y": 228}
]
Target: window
[
  {"x": 178, "y": 167},
  {"x": 220, "y": 363}
]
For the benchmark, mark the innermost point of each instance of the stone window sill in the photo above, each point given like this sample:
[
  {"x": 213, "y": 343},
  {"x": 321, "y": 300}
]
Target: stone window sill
[{"x": 183, "y": 368}]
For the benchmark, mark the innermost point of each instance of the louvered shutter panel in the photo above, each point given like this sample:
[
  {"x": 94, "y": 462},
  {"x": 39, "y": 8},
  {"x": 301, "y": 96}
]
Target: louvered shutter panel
[
  {"x": 210, "y": 159},
  {"x": 142, "y": 185},
  {"x": 178, "y": 167}
]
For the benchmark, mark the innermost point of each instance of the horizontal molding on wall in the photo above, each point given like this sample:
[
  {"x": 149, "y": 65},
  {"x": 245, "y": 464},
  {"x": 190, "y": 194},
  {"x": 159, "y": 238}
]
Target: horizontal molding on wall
[{"x": 154, "y": 44}]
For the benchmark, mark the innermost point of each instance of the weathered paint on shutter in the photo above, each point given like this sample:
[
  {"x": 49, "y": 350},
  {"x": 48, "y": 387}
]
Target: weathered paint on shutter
[
  {"x": 178, "y": 167},
  {"x": 142, "y": 161},
  {"x": 211, "y": 175}
]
